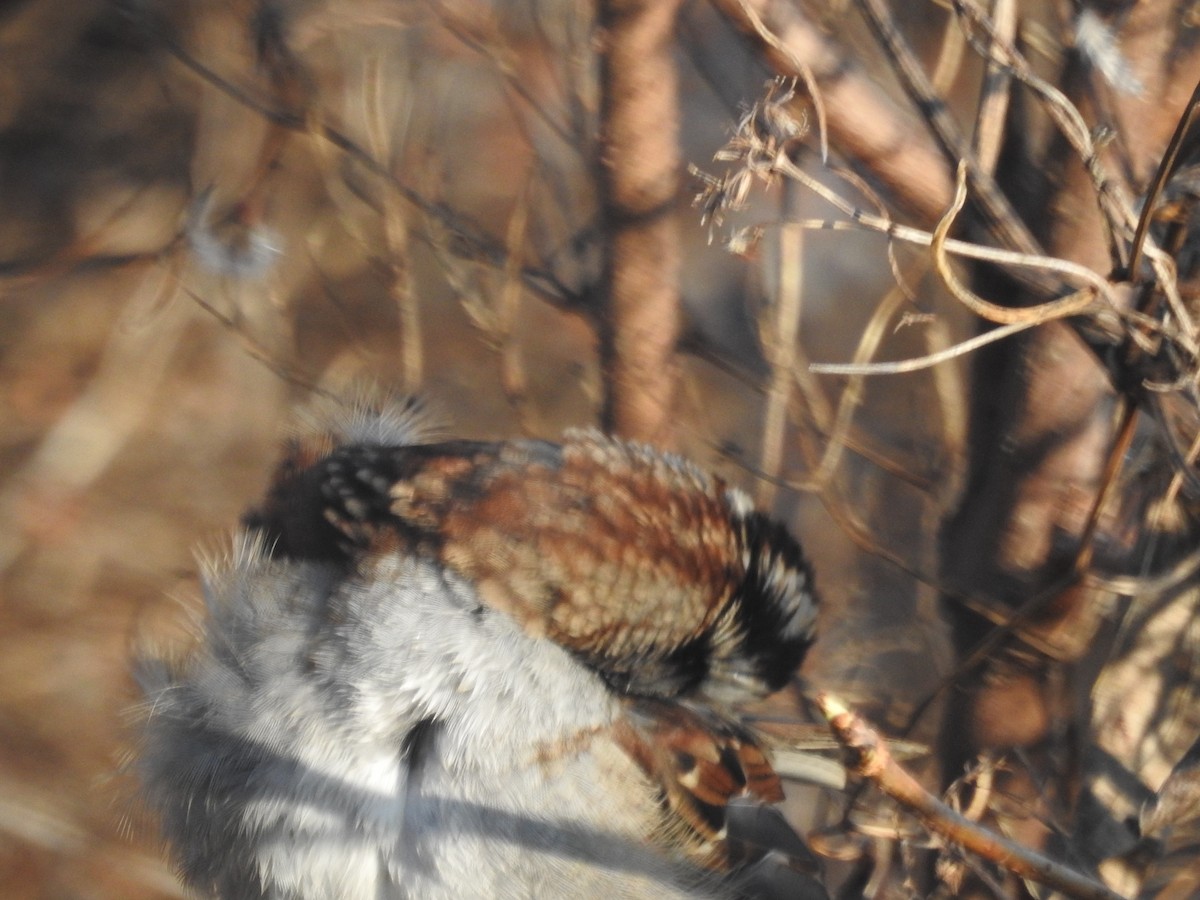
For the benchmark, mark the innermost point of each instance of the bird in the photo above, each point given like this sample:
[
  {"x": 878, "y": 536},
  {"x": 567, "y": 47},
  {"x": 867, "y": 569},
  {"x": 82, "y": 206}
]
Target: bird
[{"x": 452, "y": 669}]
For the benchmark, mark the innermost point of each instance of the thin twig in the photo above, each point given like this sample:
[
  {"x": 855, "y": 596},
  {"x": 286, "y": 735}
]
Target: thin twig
[
  {"x": 779, "y": 346},
  {"x": 919, "y": 363},
  {"x": 1070, "y": 121},
  {"x": 851, "y": 396},
  {"x": 469, "y": 239},
  {"x": 1115, "y": 204},
  {"x": 513, "y": 379},
  {"x": 799, "y": 67},
  {"x": 395, "y": 229},
  {"x": 995, "y": 93},
  {"x": 994, "y": 207},
  {"x": 950, "y": 58},
  {"x": 1019, "y": 261},
  {"x": 1166, "y": 168},
  {"x": 867, "y": 755},
  {"x": 492, "y": 49},
  {"x": 1074, "y": 304}
]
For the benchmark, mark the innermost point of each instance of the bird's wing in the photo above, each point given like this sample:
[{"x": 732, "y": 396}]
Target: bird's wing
[{"x": 652, "y": 573}]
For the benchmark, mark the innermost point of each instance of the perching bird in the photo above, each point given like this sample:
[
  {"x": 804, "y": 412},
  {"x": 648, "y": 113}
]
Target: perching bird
[{"x": 466, "y": 669}]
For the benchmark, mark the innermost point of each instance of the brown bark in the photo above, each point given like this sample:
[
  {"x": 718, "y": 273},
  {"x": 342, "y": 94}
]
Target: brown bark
[
  {"x": 1043, "y": 423},
  {"x": 639, "y": 177},
  {"x": 1043, "y": 431}
]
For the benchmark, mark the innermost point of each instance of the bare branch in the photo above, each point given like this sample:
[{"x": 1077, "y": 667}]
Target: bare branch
[
  {"x": 994, "y": 207},
  {"x": 869, "y": 757},
  {"x": 779, "y": 344}
]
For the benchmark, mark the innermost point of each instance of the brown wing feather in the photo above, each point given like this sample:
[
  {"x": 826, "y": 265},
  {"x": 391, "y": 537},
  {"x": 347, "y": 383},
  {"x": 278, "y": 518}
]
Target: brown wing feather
[
  {"x": 624, "y": 558},
  {"x": 701, "y": 763},
  {"x": 651, "y": 572}
]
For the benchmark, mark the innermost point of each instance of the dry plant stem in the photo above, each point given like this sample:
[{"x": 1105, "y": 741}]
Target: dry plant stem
[
  {"x": 1050, "y": 440},
  {"x": 18, "y": 273},
  {"x": 920, "y": 363},
  {"x": 1127, "y": 416},
  {"x": 994, "y": 207},
  {"x": 1016, "y": 319},
  {"x": 396, "y": 233},
  {"x": 1183, "y": 473},
  {"x": 266, "y": 357},
  {"x": 869, "y": 757},
  {"x": 1021, "y": 263},
  {"x": 1071, "y": 305},
  {"x": 1166, "y": 168},
  {"x": 492, "y": 47},
  {"x": 953, "y": 402},
  {"x": 984, "y": 784},
  {"x": 851, "y": 396},
  {"x": 1179, "y": 572},
  {"x": 639, "y": 181},
  {"x": 779, "y": 345},
  {"x": 1112, "y": 196},
  {"x": 996, "y": 92},
  {"x": 470, "y": 240},
  {"x": 1066, "y": 115},
  {"x": 512, "y": 369},
  {"x": 862, "y": 122},
  {"x": 800, "y": 69},
  {"x": 950, "y": 58}
]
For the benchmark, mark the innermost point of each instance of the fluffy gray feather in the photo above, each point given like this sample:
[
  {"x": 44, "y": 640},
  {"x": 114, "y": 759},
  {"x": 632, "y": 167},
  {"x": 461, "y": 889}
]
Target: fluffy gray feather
[{"x": 385, "y": 736}]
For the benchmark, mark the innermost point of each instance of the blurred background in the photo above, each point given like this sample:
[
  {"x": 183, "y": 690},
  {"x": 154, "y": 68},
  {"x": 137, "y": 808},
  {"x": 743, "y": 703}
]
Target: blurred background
[{"x": 213, "y": 212}]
